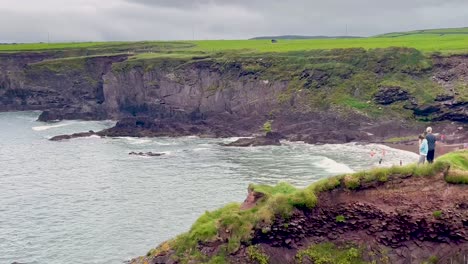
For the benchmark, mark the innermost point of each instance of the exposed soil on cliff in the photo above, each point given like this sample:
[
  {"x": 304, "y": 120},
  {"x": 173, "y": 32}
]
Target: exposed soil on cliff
[
  {"x": 407, "y": 219},
  {"x": 399, "y": 217}
]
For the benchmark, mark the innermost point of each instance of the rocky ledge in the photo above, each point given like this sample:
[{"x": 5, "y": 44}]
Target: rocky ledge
[
  {"x": 74, "y": 135},
  {"x": 270, "y": 139},
  {"x": 398, "y": 215}
]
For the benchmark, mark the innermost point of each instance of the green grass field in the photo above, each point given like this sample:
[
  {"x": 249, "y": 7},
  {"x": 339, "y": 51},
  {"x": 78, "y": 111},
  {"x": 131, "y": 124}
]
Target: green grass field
[
  {"x": 440, "y": 31},
  {"x": 446, "y": 41}
]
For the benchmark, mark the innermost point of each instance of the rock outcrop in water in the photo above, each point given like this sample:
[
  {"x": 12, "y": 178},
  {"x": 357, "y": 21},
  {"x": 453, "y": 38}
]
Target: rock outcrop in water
[
  {"x": 397, "y": 215},
  {"x": 74, "y": 135},
  {"x": 270, "y": 139},
  {"x": 340, "y": 95},
  {"x": 146, "y": 154}
]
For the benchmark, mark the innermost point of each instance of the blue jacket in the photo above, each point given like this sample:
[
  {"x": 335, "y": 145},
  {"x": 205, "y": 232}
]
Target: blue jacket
[{"x": 424, "y": 148}]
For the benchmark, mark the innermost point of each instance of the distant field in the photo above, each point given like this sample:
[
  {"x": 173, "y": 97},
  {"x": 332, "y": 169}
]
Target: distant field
[
  {"x": 425, "y": 43},
  {"x": 441, "y": 31},
  {"x": 46, "y": 46},
  {"x": 446, "y": 41}
]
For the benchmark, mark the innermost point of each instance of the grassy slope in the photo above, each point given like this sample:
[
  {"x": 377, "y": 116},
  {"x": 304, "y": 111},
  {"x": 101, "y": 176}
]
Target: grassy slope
[{"x": 280, "y": 201}]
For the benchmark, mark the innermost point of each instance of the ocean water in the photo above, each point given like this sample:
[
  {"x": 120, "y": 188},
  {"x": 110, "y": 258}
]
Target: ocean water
[{"x": 87, "y": 201}]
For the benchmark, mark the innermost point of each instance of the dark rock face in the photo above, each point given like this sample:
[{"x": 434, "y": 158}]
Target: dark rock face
[
  {"x": 426, "y": 110},
  {"x": 150, "y": 127},
  {"x": 71, "y": 89},
  {"x": 450, "y": 73},
  {"x": 444, "y": 97},
  {"x": 390, "y": 95}
]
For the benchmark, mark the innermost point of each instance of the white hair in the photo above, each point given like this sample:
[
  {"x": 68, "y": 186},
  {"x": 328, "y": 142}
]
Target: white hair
[{"x": 429, "y": 130}]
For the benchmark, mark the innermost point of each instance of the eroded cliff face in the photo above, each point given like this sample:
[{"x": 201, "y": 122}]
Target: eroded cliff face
[
  {"x": 452, "y": 74},
  {"x": 69, "y": 88},
  {"x": 197, "y": 88},
  {"x": 231, "y": 95}
]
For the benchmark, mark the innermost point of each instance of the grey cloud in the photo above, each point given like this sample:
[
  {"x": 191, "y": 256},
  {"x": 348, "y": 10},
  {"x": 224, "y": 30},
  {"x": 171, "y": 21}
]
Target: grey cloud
[{"x": 84, "y": 20}]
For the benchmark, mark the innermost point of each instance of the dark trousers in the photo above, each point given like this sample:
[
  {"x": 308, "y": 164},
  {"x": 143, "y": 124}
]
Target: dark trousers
[{"x": 430, "y": 156}]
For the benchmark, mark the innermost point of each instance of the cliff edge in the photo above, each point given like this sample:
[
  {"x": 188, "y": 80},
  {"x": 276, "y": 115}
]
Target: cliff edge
[{"x": 410, "y": 214}]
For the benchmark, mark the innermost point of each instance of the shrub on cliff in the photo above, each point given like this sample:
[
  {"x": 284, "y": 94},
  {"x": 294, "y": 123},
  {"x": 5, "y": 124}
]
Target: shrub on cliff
[
  {"x": 267, "y": 127},
  {"x": 328, "y": 253}
]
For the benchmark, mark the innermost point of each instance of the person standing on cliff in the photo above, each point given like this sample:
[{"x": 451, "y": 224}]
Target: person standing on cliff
[
  {"x": 423, "y": 149},
  {"x": 431, "y": 143}
]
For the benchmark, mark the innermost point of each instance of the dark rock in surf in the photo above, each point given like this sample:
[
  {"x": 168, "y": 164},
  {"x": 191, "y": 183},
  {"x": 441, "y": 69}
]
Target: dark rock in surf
[
  {"x": 270, "y": 139},
  {"x": 146, "y": 154},
  {"x": 75, "y": 135}
]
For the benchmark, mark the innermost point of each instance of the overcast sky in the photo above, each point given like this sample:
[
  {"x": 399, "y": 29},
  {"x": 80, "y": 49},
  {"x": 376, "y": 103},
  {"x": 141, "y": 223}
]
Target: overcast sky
[{"x": 98, "y": 20}]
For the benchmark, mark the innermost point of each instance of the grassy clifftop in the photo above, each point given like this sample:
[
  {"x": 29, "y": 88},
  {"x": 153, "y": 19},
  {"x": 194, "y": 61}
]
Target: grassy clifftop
[
  {"x": 237, "y": 226},
  {"x": 446, "y": 41}
]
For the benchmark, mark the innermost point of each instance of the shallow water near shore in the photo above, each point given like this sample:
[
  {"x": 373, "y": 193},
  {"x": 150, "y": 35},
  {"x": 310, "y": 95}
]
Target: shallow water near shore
[{"x": 87, "y": 201}]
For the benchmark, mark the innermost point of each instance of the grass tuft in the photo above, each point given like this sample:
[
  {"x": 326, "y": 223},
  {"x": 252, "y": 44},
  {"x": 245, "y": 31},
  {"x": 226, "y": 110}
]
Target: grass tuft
[
  {"x": 328, "y": 253},
  {"x": 340, "y": 219},
  {"x": 256, "y": 255},
  {"x": 437, "y": 214}
]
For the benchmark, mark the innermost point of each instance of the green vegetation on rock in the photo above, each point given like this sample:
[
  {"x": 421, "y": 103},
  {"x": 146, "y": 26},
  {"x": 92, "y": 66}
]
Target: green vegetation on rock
[
  {"x": 458, "y": 173},
  {"x": 458, "y": 160},
  {"x": 437, "y": 214},
  {"x": 256, "y": 255},
  {"x": 340, "y": 219},
  {"x": 267, "y": 127},
  {"x": 328, "y": 253},
  {"x": 432, "y": 260}
]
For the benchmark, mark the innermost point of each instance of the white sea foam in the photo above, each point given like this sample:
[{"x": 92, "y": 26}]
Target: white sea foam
[
  {"x": 136, "y": 141},
  {"x": 200, "y": 149},
  {"x": 92, "y": 137},
  {"x": 332, "y": 166},
  {"x": 43, "y": 128},
  {"x": 232, "y": 139},
  {"x": 165, "y": 143}
]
